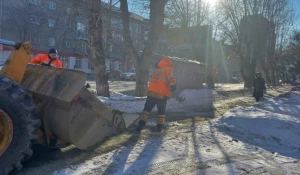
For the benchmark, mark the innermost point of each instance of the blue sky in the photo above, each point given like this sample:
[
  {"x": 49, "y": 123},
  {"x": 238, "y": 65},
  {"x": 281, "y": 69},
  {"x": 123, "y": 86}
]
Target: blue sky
[
  {"x": 297, "y": 17},
  {"x": 296, "y": 6}
]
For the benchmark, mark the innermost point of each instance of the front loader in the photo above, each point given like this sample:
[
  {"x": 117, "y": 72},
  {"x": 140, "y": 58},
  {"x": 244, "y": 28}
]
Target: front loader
[{"x": 48, "y": 106}]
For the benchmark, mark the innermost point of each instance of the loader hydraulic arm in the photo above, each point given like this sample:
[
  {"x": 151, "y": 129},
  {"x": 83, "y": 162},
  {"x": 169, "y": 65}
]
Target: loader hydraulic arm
[{"x": 16, "y": 64}]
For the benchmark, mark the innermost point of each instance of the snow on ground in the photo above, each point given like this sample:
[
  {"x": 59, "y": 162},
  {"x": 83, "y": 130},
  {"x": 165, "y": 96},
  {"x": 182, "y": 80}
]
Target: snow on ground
[
  {"x": 263, "y": 139},
  {"x": 273, "y": 125},
  {"x": 229, "y": 87},
  {"x": 187, "y": 98}
]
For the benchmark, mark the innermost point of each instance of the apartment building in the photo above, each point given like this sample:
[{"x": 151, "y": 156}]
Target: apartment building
[{"x": 63, "y": 24}]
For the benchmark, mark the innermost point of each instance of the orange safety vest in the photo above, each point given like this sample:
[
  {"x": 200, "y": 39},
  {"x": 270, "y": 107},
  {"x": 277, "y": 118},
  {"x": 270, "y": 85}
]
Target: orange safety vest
[
  {"x": 44, "y": 59},
  {"x": 161, "y": 80}
]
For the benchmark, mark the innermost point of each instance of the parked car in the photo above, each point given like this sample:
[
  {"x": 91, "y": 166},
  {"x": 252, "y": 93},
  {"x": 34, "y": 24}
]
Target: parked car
[
  {"x": 235, "y": 80},
  {"x": 114, "y": 75},
  {"x": 131, "y": 76}
]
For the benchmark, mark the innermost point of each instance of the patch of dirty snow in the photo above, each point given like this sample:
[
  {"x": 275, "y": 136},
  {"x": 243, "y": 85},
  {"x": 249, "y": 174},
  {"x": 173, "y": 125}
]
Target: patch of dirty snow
[
  {"x": 186, "y": 98},
  {"x": 229, "y": 87},
  {"x": 131, "y": 159}
]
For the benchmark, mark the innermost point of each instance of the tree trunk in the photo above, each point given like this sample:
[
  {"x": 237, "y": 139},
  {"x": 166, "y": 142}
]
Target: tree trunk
[
  {"x": 97, "y": 56},
  {"x": 248, "y": 73},
  {"x": 273, "y": 80},
  {"x": 142, "y": 72},
  {"x": 142, "y": 62},
  {"x": 248, "y": 80},
  {"x": 102, "y": 86},
  {"x": 268, "y": 78}
]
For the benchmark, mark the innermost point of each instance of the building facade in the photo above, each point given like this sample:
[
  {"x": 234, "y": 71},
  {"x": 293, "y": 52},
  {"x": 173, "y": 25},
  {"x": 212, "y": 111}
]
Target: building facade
[{"x": 63, "y": 24}]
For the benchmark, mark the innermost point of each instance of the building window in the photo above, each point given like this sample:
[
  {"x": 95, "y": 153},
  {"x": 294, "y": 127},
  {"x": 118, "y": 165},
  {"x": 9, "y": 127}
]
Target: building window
[
  {"x": 138, "y": 29},
  {"x": 51, "y": 23},
  {"x": 68, "y": 43},
  {"x": 81, "y": 31},
  {"x": 89, "y": 65},
  {"x": 83, "y": 46},
  {"x": 131, "y": 28},
  {"x": 52, "y": 5},
  {"x": 34, "y": 39},
  {"x": 110, "y": 47},
  {"x": 33, "y": 20},
  {"x": 51, "y": 42},
  {"x": 68, "y": 10},
  {"x": 116, "y": 22},
  {"x": 78, "y": 63},
  {"x": 71, "y": 25},
  {"x": 65, "y": 61},
  {"x": 35, "y": 2}
]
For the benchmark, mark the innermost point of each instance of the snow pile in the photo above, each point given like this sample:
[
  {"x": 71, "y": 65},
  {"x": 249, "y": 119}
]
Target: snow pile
[
  {"x": 273, "y": 125},
  {"x": 187, "y": 98},
  {"x": 295, "y": 95},
  {"x": 196, "y": 97}
]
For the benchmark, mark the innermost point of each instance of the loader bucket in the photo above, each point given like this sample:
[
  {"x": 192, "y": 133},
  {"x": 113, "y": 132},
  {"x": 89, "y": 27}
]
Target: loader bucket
[{"x": 70, "y": 113}]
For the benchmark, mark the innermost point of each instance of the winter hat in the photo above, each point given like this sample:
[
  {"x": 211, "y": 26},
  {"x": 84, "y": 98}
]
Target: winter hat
[
  {"x": 258, "y": 74},
  {"x": 52, "y": 50},
  {"x": 167, "y": 59}
]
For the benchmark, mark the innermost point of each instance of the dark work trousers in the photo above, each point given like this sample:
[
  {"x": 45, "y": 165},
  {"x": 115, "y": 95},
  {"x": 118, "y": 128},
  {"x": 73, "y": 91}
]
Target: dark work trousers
[{"x": 151, "y": 102}]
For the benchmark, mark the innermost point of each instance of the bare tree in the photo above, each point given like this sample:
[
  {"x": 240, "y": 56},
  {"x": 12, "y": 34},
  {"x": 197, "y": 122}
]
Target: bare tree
[
  {"x": 189, "y": 15},
  {"x": 258, "y": 23},
  {"x": 95, "y": 43},
  {"x": 96, "y": 49},
  {"x": 59, "y": 31},
  {"x": 30, "y": 20},
  {"x": 25, "y": 18},
  {"x": 290, "y": 62},
  {"x": 185, "y": 13},
  {"x": 281, "y": 14},
  {"x": 195, "y": 19},
  {"x": 142, "y": 61}
]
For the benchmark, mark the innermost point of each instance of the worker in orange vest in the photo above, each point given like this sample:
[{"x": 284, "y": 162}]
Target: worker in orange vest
[
  {"x": 50, "y": 59},
  {"x": 161, "y": 84}
]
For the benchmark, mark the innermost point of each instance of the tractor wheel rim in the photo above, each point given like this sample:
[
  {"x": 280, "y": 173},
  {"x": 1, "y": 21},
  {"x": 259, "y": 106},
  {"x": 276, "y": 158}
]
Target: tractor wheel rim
[{"x": 6, "y": 131}]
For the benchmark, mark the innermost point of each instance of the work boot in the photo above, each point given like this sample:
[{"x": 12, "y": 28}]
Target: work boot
[
  {"x": 160, "y": 123},
  {"x": 142, "y": 123},
  {"x": 159, "y": 127},
  {"x": 141, "y": 126}
]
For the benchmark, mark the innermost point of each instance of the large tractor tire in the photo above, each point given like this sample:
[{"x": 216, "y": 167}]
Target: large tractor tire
[{"x": 18, "y": 125}]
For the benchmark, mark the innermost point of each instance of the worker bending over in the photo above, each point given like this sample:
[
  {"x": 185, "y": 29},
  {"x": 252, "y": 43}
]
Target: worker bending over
[{"x": 50, "y": 59}]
